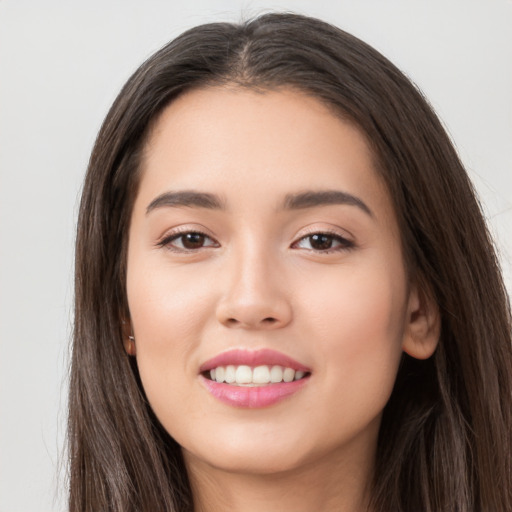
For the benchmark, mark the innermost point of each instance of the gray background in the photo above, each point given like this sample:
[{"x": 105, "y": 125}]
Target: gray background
[{"x": 62, "y": 64}]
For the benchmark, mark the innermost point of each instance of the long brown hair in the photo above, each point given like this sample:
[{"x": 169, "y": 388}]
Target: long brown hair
[{"x": 445, "y": 439}]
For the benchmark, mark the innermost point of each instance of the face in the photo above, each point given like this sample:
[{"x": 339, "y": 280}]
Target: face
[{"x": 264, "y": 254}]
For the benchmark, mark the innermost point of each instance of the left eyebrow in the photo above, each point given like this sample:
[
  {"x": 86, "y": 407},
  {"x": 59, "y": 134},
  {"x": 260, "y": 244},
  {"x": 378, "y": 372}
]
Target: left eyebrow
[{"x": 311, "y": 199}]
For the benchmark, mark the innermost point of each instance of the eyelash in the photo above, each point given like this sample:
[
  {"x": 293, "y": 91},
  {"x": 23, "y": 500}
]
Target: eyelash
[
  {"x": 344, "y": 244},
  {"x": 167, "y": 241}
]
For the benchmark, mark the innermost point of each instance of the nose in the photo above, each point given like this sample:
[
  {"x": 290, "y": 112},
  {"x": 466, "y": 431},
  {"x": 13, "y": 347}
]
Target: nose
[{"x": 255, "y": 296}]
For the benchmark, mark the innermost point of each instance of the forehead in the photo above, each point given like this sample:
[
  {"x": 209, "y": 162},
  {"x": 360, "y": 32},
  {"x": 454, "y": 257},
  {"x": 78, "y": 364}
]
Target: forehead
[{"x": 231, "y": 140}]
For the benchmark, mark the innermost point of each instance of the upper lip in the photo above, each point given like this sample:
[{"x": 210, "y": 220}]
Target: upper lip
[{"x": 252, "y": 358}]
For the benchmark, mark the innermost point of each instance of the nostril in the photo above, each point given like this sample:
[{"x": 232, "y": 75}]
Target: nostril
[{"x": 265, "y": 321}]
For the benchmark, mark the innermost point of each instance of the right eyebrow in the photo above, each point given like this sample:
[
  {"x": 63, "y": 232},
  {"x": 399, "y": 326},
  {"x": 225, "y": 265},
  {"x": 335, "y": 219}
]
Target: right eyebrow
[{"x": 186, "y": 198}]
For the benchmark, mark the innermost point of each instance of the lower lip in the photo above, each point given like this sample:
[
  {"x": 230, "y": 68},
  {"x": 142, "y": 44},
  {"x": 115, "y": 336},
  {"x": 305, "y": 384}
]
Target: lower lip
[{"x": 253, "y": 397}]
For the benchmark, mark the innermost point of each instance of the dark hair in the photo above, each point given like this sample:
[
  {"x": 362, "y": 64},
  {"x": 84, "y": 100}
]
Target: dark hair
[{"x": 445, "y": 439}]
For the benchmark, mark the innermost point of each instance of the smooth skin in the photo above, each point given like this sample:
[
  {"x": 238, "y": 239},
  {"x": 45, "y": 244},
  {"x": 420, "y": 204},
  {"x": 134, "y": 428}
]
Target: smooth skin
[{"x": 324, "y": 283}]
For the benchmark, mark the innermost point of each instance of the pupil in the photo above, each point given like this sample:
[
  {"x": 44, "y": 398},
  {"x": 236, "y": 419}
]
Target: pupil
[
  {"x": 193, "y": 240},
  {"x": 321, "y": 241}
]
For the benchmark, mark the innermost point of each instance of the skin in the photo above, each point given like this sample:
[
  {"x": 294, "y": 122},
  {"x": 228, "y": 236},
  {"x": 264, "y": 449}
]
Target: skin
[{"x": 258, "y": 281}]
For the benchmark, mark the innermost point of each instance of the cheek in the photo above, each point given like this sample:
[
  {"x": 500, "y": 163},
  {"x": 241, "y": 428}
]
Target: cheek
[
  {"x": 358, "y": 329},
  {"x": 167, "y": 312},
  {"x": 363, "y": 307},
  {"x": 165, "y": 304}
]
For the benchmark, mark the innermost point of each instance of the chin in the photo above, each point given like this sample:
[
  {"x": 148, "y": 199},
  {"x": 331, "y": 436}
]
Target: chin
[{"x": 249, "y": 454}]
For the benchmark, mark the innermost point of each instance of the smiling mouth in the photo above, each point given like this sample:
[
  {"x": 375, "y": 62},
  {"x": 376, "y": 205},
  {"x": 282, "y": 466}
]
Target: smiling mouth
[{"x": 247, "y": 376}]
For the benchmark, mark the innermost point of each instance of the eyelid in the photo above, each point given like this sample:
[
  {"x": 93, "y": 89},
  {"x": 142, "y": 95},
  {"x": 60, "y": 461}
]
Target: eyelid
[
  {"x": 174, "y": 233},
  {"x": 346, "y": 240},
  {"x": 327, "y": 229}
]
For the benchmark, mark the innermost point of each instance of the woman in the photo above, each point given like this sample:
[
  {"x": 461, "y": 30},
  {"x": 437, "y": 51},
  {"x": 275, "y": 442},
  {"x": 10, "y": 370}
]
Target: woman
[{"x": 286, "y": 295}]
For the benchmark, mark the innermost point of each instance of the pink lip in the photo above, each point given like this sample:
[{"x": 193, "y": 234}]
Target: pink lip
[
  {"x": 257, "y": 396},
  {"x": 254, "y": 397},
  {"x": 253, "y": 358}
]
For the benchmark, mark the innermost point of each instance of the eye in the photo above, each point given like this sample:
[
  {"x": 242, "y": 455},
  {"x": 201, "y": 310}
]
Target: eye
[
  {"x": 188, "y": 241},
  {"x": 323, "y": 242}
]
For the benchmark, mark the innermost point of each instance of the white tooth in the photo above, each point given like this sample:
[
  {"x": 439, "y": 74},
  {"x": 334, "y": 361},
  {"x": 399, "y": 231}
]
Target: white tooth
[
  {"x": 299, "y": 374},
  {"x": 261, "y": 375},
  {"x": 276, "y": 374},
  {"x": 229, "y": 376},
  {"x": 219, "y": 373},
  {"x": 243, "y": 375},
  {"x": 212, "y": 374},
  {"x": 288, "y": 374}
]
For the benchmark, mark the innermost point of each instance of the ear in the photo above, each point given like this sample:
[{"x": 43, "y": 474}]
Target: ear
[
  {"x": 128, "y": 339},
  {"x": 423, "y": 325}
]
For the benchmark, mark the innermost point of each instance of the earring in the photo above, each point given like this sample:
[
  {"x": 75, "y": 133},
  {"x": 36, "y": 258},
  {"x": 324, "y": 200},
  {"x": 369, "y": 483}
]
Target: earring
[{"x": 130, "y": 348}]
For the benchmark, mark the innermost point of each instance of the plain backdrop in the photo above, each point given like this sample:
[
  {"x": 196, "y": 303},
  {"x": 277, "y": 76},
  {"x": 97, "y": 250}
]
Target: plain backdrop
[{"x": 61, "y": 66}]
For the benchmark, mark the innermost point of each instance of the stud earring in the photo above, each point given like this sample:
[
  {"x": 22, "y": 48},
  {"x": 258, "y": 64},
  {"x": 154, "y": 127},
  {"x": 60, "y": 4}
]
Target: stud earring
[{"x": 130, "y": 348}]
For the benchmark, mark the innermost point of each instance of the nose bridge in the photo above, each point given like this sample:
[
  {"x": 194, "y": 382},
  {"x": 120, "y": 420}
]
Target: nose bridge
[{"x": 254, "y": 296}]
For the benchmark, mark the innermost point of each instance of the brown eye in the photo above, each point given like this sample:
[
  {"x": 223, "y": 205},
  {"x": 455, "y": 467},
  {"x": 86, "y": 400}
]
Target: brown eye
[
  {"x": 321, "y": 241},
  {"x": 193, "y": 240},
  {"x": 189, "y": 241},
  {"x": 324, "y": 242}
]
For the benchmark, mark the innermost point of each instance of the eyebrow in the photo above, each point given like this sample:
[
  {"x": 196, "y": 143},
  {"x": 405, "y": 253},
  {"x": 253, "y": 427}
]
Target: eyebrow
[
  {"x": 298, "y": 201},
  {"x": 311, "y": 199},
  {"x": 186, "y": 198}
]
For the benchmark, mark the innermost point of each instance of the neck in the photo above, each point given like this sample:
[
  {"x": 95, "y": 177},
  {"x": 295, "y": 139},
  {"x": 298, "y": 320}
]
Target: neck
[{"x": 336, "y": 486}]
